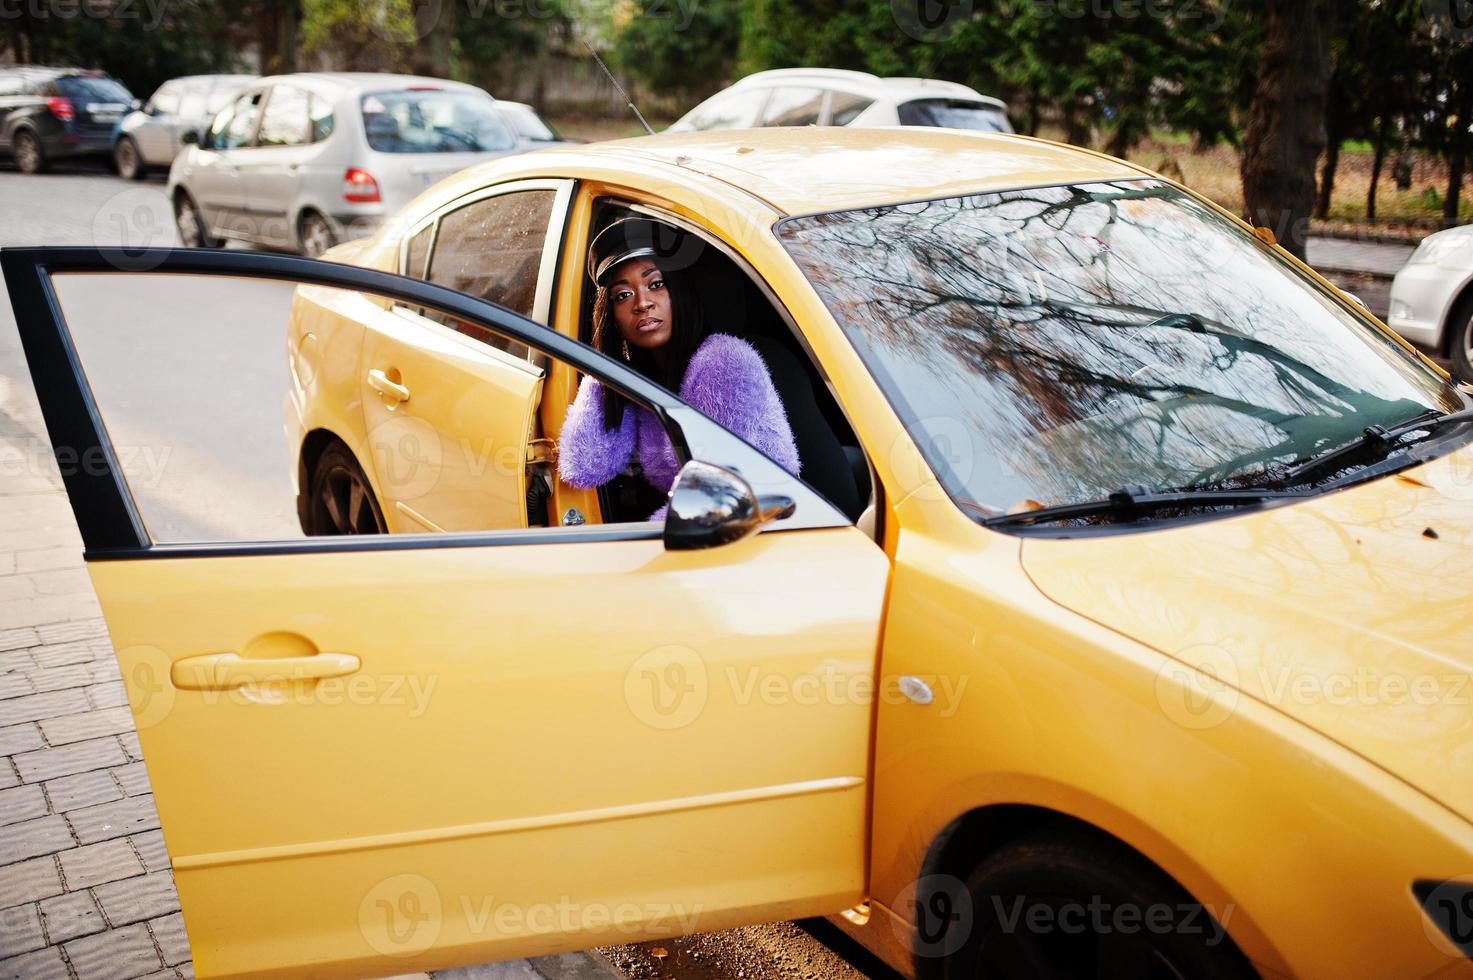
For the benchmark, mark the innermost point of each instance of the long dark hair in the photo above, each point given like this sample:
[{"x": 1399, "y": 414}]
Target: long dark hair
[{"x": 687, "y": 333}]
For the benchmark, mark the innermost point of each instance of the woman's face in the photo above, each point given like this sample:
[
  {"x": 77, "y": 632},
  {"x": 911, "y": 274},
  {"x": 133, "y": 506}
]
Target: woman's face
[{"x": 641, "y": 304}]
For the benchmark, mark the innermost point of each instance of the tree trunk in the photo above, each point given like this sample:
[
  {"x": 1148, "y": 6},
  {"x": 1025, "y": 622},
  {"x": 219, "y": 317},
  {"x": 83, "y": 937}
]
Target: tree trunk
[
  {"x": 1457, "y": 158},
  {"x": 435, "y": 25},
  {"x": 1376, "y": 164},
  {"x": 1327, "y": 179},
  {"x": 287, "y": 29},
  {"x": 1286, "y": 120}
]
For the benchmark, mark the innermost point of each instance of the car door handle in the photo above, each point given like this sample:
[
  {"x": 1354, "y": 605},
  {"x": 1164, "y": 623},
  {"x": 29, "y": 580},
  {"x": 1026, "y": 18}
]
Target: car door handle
[
  {"x": 227, "y": 671},
  {"x": 379, "y": 382}
]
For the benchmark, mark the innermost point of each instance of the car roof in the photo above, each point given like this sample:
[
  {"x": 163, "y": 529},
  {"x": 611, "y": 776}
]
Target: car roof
[
  {"x": 364, "y": 81},
  {"x": 863, "y": 82},
  {"x": 804, "y": 170},
  {"x": 49, "y": 71}
]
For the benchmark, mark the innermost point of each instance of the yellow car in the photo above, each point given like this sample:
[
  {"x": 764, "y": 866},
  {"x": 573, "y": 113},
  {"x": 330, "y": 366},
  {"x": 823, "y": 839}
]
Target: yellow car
[{"x": 1117, "y": 622}]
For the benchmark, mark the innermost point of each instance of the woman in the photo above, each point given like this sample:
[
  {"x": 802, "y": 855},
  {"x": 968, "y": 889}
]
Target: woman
[{"x": 654, "y": 322}]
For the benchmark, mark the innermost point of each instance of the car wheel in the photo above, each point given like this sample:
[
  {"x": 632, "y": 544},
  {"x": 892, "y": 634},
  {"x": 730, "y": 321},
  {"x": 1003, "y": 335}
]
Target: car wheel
[
  {"x": 28, "y": 155},
  {"x": 1077, "y": 904},
  {"x": 1461, "y": 324},
  {"x": 192, "y": 229},
  {"x": 316, "y": 235},
  {"x": 340, "y": 499},
  {"x": 128, "y": 160}
]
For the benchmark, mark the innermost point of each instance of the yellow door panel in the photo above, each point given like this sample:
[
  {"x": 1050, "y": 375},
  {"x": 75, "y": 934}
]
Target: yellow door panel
[
  {"x": 448, "y": 419},
  {"x": 396, "y": 759}
]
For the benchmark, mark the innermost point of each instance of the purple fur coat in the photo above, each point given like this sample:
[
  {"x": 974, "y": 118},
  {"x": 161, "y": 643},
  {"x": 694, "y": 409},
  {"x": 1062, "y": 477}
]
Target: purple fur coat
[{"x": 726, "y": 380}]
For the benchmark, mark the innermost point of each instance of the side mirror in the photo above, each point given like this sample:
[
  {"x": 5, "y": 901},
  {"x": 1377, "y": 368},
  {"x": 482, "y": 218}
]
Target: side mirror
[
  {"x": 710, "y": 507},
  {"x": 192, "y": 136}
]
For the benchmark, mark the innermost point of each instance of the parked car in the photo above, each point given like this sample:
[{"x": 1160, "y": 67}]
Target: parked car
[
  {"x": 1432, "y": 297},
  {"x": 1116, "y": 622},
  {"x": 151, "y": 136},
  {"x": 304, "y": 161},
  {"x": 50, "y": 114},
  {"x": 529, "y": 125},
  {"x": 833, "y": 97}
]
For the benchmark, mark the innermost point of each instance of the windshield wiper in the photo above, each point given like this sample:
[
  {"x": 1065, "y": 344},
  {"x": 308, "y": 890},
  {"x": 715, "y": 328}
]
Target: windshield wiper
[
  {"x": 1374, "y": 440},
  {"x": 1132, "y": 502}
]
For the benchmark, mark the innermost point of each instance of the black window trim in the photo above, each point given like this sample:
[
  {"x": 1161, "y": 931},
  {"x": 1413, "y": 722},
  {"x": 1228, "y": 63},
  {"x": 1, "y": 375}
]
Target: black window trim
[{"x": 112, "y": 527}]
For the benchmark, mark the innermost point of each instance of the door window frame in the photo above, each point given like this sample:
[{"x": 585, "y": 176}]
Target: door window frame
[
  {"x": 549, "y": 269},
  {"x": 111, "y": 525}
]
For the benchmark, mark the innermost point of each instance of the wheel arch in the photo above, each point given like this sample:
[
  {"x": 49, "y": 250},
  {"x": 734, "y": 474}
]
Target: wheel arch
[
  {"x": 976, "y": 834},
  {"x": 1460, "y": 303}
]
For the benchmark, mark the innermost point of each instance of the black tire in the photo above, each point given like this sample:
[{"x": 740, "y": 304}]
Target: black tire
[
  {"x": 128, "y": 161},
  {"x": 339, "y": 497},
  {"x": 1460, "y": 340},
  {"x": 193, "y": 231},
  {"x": 315, "y": 234},
  {"x": 1070, "y": 903},
  {"x": 29, "y": 157}
]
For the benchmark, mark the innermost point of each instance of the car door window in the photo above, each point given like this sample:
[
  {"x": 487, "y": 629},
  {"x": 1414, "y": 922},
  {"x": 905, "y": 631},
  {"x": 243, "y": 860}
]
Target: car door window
[
  {"x": 285, "y": 121},
  {"x": 235, "y": 127},
  {"x": 794, "y": 107},
  {"x": 493, "y": 249},
  {"x": 734, "y": 110},
  {"x": 192, "y": 100},
  {"x": 321, "y": 119},
  {"x": 845, "y": 106},
  {"x": 165, "y": 101}
]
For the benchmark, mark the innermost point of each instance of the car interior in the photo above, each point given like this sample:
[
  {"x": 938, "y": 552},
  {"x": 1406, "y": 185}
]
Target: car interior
[{"x": 831, "y": 460}]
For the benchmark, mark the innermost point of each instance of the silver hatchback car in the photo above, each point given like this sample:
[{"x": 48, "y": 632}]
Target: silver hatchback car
[
  {"x": 304, "y": 161},
  {"x": 152, "y": 136}
]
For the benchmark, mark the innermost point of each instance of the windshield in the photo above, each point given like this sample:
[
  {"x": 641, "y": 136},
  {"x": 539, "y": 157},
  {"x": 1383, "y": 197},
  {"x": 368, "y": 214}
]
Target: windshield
[
  {"x": 434, "y": 121},
  {"x": 528, "y": 124},
  {"x": 1057, "y": 344},
  {"x": 955, "y": 114}
]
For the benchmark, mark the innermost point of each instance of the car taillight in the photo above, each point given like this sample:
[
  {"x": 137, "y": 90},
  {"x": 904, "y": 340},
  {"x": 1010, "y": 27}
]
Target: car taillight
[
  {"x": 359, "y": 186},
  {"x": 61, "y": 108}
]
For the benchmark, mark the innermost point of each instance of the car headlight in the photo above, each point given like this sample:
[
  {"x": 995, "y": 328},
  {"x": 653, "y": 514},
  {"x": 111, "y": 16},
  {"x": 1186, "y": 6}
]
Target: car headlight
[{"x": 1443, "y": 250}]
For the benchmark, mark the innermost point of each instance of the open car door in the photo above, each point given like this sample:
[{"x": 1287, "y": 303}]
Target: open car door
[{"x": 378, "y": 754}]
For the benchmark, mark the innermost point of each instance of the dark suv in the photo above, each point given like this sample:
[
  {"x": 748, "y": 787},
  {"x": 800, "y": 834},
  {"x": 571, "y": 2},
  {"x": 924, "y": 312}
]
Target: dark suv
[{"x": 51, "y": 114}]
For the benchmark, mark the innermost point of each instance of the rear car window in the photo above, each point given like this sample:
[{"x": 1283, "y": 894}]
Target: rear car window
[
  {"x": 845, "y": 106},
  {"x": 955, "y": 114},
  {"x": 93, "y": 89},
  {"x": 793, "y": 107},
  {"x": 433, "y": 121}
]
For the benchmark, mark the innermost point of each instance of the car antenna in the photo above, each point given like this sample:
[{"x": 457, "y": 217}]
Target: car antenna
[{"x": 630, "y": 102}]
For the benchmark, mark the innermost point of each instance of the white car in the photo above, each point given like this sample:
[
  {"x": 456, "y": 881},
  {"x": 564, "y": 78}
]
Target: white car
[
  {"x": 304, "y": 161},
  {"x": 834, "y": 97},
  {"x": 1432, "y": 297}
]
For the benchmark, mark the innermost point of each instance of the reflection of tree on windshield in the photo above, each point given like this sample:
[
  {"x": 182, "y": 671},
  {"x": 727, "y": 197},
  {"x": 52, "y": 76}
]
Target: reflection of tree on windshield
[{"x": 1099, "y": 335}]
